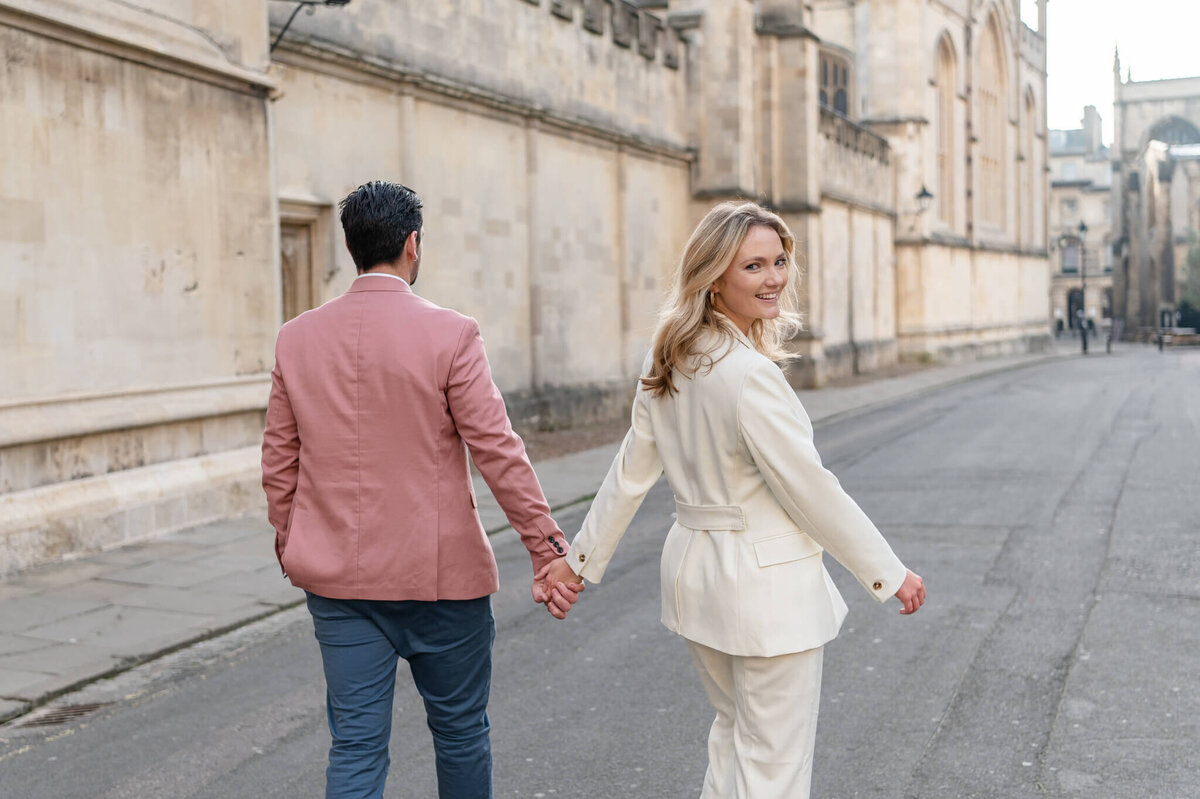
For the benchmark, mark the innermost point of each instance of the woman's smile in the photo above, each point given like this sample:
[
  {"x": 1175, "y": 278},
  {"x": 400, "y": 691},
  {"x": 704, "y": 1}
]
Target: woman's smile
[{"x": 749, "y": 288}]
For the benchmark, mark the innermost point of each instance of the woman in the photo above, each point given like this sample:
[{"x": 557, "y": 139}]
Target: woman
[{"x": 742, "y": 577}]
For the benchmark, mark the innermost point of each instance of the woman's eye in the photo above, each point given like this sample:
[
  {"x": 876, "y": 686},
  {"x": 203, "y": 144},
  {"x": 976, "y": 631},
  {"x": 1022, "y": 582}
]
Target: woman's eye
[{"x": 781, "y": 262}]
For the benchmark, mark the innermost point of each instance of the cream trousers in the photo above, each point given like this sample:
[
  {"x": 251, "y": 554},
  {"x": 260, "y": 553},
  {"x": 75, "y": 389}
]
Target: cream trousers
[{"x": 761, "y": 743}]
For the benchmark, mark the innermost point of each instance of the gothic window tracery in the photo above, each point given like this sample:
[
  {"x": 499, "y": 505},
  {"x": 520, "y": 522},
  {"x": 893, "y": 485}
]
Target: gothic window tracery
[
  {"x": 991, "y": 133},
  {"x": 835, "y": 82},
  {"x": 1175, "y": 131},
  {"x": 1028, "y": 171},
  {"x": 947, "y": 90}
]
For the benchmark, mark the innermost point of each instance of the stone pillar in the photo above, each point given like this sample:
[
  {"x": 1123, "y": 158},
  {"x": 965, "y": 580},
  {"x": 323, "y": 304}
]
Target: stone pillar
[
  {"x": 790, "y": 112},
  {"x": 721, "y": 91},
  {"x": 790, "y": 119}
]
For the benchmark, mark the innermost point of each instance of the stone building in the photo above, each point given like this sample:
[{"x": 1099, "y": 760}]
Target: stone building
[
  {"x": 171, "y": 174},
  {"x": 1081, "y": 193},
  {"x": 958, "y": 89},
  {"x": 1156, "y": 191}
]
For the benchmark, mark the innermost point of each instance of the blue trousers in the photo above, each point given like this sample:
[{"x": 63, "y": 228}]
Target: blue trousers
[{"x": 448, "y": 646}]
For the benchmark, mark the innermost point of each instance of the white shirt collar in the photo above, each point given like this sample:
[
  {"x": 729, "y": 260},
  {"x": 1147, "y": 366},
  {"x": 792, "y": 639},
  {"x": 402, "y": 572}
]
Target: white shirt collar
[{"x": 382, "y": 274}]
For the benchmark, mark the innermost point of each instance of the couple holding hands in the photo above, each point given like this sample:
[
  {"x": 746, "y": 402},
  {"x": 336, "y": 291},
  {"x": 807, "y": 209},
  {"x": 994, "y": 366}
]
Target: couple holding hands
[{"x": 377, "y": 396}]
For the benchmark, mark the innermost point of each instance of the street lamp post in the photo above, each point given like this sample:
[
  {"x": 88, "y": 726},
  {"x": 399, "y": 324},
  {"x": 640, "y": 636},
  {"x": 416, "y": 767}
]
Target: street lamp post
[
  {"x": 1083, "y": 333},
  {"x": 308, "y": 6}
]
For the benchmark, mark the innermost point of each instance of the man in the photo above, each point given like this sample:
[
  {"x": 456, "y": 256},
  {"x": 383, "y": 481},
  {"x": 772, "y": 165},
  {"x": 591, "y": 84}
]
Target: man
[{"x": 364, "y": 465}]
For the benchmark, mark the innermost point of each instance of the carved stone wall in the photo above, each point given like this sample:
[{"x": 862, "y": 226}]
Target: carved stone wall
[
  {"x": 168, "y": 194},
  {"x": 138, "y": 237}
]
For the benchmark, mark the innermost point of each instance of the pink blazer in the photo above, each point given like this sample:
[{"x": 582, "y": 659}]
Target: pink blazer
[{"x": 375, "y": 398}]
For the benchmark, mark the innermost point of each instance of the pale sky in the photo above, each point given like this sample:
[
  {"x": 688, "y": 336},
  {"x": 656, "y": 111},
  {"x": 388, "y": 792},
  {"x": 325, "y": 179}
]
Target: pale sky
[{"x": 1158, "y": 39}]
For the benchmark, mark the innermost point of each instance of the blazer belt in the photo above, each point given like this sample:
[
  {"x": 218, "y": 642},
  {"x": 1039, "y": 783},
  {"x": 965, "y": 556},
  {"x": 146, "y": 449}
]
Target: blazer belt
[{"x": 710, "y": 517}]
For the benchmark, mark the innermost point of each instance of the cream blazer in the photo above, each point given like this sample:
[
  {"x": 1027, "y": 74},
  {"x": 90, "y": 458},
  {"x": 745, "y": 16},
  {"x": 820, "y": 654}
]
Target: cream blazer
[{"x": 741, "y": 567}]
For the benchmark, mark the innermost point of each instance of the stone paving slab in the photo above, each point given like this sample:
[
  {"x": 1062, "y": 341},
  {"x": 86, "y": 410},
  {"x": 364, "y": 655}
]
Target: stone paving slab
[
  {"x": 140, "y": 553},
  {"x": 172, "y": 573},
  {"x": 216, "y": 534},
  {"x": 183, "y": 600},
  {"x": 16, "y": 645},
  {"x": 222, "y": 561},
  {"x": 98, "y": 589},
  {"x": 284, "y": 597},
  {"x": 57, "y": 658},
  {"x": 56, "y": 576},
  {"x": 117, "y": 629},
  {"x": 266, "y": 581},
  {"x": 63, "y": 625},
  {"x": 14, "y": 682},
  {"x": 18, "y": 614}
]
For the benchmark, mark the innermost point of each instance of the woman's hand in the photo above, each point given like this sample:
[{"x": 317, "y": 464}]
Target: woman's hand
[
  {"x": 557, "y": 587},
  {"x": 911, "y": 593}
]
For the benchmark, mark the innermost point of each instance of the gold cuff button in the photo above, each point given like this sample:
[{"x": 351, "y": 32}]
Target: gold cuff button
[
  {"x": 878, "y": 585},
  {"x": 582, "y": 557}
]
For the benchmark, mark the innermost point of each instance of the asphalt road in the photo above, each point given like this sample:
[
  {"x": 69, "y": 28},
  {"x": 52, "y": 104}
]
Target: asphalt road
[{"x": 1052, "y": 511}]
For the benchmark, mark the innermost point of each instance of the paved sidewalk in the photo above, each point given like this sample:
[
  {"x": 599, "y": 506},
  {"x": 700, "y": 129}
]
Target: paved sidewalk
[{"x": 67, "y": 624}]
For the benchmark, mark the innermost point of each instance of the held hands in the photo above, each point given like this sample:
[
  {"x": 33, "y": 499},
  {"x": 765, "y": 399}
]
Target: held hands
[
  {"x": 911, "y": 593},
  {"x": 557, "y": 587}
]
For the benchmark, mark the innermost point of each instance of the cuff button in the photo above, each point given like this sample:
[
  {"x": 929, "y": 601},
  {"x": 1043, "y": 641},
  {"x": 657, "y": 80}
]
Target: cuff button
[
  {"x": 878, "y": 585},
  {"x": 582, "y": 557}
]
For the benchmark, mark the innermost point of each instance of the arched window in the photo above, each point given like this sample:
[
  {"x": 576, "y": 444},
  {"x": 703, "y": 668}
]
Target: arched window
[
  {"x": 1028, "y": 198},
  {"x": 992, "y": 90},
  {"x": 1174, "y": 130},
  {"x": 834, "y": 93},
  {"x": 947, "y": 91}
]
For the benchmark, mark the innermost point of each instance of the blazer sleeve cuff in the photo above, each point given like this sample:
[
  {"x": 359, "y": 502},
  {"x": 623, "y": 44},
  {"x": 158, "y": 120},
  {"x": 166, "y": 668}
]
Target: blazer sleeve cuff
[
  {"x": 886, "y": 582},
  {"x": 586, "y": 564},
  {"x": 545, "y": 542}
]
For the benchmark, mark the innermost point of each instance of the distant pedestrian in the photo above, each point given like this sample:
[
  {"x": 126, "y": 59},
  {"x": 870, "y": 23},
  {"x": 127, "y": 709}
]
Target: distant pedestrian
[
  {"x": 372, "y": 398},
  {"x": 742, "y": 577}
]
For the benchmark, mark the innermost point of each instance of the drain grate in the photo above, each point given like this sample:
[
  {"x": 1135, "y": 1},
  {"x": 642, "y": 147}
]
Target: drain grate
[{"x": 61, "y": 715}]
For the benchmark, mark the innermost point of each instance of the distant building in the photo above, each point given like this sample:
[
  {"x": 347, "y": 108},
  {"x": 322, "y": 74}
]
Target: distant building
[
  {"x": 1081, "y": 193},
  {"x": 1156, "y": 192}
]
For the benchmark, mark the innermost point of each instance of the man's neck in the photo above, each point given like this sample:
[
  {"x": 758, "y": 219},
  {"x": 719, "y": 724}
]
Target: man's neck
[{"x": 396, "y": 269}]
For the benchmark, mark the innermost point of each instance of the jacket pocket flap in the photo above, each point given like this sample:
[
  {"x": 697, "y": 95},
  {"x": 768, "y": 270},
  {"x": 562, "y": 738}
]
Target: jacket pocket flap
[{"x": 785, "y": 548}]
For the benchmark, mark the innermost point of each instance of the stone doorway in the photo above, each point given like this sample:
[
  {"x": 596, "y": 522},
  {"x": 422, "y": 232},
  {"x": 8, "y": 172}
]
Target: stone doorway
[
  {"x": 305, "y": 261},
  {"x": 295, "y": 259},
  {"x": 1074, "y": 306}
]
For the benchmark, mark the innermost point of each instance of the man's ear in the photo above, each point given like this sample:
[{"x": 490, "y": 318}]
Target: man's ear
[{"x": 411, "y": 245}]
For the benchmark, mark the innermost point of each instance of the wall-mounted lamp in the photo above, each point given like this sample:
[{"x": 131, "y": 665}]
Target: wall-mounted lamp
[
  {"x": 308, "y": 6},
  {"x": 924, "y": 198}
]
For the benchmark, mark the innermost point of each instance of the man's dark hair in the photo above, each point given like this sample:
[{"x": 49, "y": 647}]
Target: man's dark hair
[{"x": 378, "y": 218}]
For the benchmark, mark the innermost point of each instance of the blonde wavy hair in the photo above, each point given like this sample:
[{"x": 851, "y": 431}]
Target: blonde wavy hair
[{"x": 689, "y": 313}]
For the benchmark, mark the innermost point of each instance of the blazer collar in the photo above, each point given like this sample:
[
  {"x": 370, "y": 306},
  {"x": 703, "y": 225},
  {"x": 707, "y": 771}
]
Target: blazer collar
[
  {"x": 734, "y": 332},
  {"x": 378, "y": 283}
]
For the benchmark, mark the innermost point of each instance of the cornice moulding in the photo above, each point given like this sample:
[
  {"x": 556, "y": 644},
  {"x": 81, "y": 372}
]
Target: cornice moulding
[
  {"x": 30, "y": 421},
  {"x": 337, "y": 62},
  {"x": 136, "y": 36}
]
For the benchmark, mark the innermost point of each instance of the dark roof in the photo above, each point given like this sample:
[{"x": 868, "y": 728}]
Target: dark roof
[{"x": 1068, "y": 140}]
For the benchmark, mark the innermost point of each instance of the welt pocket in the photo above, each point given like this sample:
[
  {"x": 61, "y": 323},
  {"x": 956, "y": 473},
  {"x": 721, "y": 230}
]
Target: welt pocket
[{"x": 785, "y": 548}]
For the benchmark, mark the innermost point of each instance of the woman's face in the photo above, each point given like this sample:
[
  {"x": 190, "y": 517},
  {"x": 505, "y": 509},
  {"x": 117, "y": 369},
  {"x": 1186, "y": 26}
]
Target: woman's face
[{"x": 750, "y": 287}]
